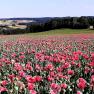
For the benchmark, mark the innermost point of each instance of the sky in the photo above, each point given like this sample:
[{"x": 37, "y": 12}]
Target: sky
[{"x": 46, "y": 8}]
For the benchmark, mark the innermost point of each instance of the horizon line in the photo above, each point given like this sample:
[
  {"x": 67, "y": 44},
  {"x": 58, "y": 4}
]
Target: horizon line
[{"x": 44, "y": 17}]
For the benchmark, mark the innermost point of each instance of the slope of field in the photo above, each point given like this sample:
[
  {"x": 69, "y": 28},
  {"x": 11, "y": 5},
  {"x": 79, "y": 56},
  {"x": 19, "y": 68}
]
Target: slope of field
[
  {"x": 47, "y": 65},
  {"x": 65, "y": 31}
]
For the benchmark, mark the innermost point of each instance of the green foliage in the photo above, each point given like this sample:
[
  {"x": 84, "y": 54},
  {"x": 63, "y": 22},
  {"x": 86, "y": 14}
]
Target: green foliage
[
  {"x": 9, "y": 31},
  {"x": 62, "y": 32},
  {"x": 57, "y": 23},
  {"x": 53, "y": 23}
]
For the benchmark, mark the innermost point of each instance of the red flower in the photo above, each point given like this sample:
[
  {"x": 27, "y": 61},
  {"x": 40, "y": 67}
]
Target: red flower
[
  {"x": 55, "y": 86},
  {"x": 60, "y": 75},
  {"x": 59, "y": 69},
  {"x": 91, "y": 64},
  {"x": 22, "y": 73},
  {"x": 73, "y": 63},
  {"x": 76, "y": 57},
  {"x": 30, "y": 79},
  {"x": 38, "y": 78},
  {"x": 4, "y": 83},
  {"x": 52, "y": 74},
  {"x": 17, "y": 67},
  {"x": 37, "y": 67},
  {"x": 81, "y": 83},
  {"x": 28, "y": 66},
  {"x": 64, "y": 85},
  {"x": 21, "y": 57},
  {"x": 31, "y": 86},
  {"x": 70, "y": 72},
  {"x": 85, "y": 56},
  {"x": 79, "y": 52},
  {"x": 92, "y": 81},
  {"x": 92, "y": 55},
  {"x": 79, "y": 65},
  {"x": 50, "y": 78},
  {"x": 66, "y": 65},
  {"x": 86, "y": 70},
  {"x": 50, "y": 67},
  {"x": 11, "y": 77}
]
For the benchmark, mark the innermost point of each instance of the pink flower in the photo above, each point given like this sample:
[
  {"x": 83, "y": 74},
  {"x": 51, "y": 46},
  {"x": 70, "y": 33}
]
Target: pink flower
[
  {"x": 79, "y": 65},
  {"x": 22, "y": 53},
  {"x": 86, "y": 70},
  {"x": 37, "y": 67},
  {"x": 22, "y": 73},
  {"x": 66, "y": 65},
  {"x": 50, "y": 78},
  {"x": 92, "y": 55},
  {"x": 50, "y": 67},
  {"x": 30, "y": 79},
  {"x": 91, "y": 64},
  {"x": 79, "y": 92},
  {"x": 28, "y": 66},
  {"x": 70, "y": 72},
  {"x": 52, "y": 74},
  {"x": 92, "y": 78},
  {"x": 33, "y": 92},
  {"x": 38, "y": 78},
  {"x": 59, "y": 69},
  {"x": 76, "y": 57},
  {"x": 92, "y": 81},
  {"x": 65, "y": 77},
  {"x": 52, "y": 92},
  {"x": 31, "y": 86},
  {"x": 2, "y": 89},
  {"x": 4, "y": 83},
  {"x": 13, "y": 55},
  {"x": 81, "y": 83},
  {"x": 73, "y": 63},
  {"x": 21, "y": 57},
  {"x": 64, "y": 85},
  {"x": 18, "y": 67},
  {"x": 79, "y": 52},
  {"x": 55, "y": 86},
  {"x": 11, "y": 77}
]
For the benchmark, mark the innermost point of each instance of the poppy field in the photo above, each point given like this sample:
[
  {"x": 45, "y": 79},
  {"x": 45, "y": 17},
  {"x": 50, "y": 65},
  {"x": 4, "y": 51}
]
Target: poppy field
[{"x": 48, "y": 65}]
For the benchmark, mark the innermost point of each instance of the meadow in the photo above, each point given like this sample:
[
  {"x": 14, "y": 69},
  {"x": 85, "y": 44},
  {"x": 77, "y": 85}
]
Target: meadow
[
  {"x": 52, "y": 62},
  {"x": 63, "y": 32}
]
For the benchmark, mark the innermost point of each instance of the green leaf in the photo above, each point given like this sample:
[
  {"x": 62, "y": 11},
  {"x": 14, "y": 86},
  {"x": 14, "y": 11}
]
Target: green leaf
[{"x": 16, "y": 88}]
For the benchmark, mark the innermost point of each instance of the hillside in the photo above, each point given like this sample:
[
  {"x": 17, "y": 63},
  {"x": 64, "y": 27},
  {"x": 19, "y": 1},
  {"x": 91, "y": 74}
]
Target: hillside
[{"x": 62, "y": 32}]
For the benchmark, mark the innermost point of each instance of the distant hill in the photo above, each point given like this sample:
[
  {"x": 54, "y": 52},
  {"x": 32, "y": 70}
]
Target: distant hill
[{"x": 41, "y": 20}]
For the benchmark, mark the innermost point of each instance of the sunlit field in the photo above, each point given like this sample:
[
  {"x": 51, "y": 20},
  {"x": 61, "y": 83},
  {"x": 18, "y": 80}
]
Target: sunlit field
[
  {"x": 64, "y": 31},
  {"x": 47, "y": 47},
  {"x": 47, "y": 63}
]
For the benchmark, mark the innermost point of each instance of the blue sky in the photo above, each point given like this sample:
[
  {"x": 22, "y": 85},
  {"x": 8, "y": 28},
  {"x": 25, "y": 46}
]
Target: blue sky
[{"x": 46, "y": 8}]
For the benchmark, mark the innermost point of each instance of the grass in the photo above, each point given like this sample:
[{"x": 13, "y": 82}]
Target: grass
[
  {"x": 61, "y": 32},
  {"x": 17, "y": 27},
  {"x": 64, "y": 31}
]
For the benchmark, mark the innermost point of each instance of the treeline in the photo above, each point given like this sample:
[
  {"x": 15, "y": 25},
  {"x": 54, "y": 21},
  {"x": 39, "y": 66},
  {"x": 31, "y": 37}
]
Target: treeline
[
  {"x": 8, "y": 31},
  {"x": 64, "y": 22},
  {"x": 45, "y": 24}
]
